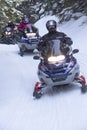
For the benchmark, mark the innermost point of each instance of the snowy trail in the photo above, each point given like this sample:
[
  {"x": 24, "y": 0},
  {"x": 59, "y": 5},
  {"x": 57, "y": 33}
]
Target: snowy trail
[
  {"x": 15, "y": 71},
  {"x": 64, "y": 108},
  {"x": 58, "y": 109}
]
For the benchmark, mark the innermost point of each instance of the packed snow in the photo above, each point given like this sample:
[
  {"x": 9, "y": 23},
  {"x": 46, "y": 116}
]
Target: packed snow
[{"x": 64, "y": 108}]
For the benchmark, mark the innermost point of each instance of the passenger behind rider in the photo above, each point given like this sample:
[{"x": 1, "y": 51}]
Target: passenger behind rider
[
  {"x": 53, "y": 34},
  {"x": 26, "y": 24}
]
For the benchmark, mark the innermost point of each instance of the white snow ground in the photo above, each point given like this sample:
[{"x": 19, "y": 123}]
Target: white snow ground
[{"x": 58, "y": 109}]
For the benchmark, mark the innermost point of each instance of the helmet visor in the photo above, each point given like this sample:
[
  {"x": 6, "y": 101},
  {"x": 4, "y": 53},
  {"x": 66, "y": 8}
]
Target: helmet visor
[{"x": 51, "y": 27}]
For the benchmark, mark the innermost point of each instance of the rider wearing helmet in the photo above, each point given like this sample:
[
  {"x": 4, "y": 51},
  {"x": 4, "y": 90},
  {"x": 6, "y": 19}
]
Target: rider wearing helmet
[
  {"x": 26, "y": 24},
  {"x": 53, "y": 34},
  {"x": 11, "y": 25},
  {"x": 23, "y": 23},
  {"x": 51, "y": 25}
]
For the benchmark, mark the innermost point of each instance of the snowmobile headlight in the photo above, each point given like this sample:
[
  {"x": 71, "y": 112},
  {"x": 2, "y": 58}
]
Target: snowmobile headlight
[
  {"x": 8, "y": 33},
  {"x": 30, "y": 34},
  {"x": 56, "y": 59}
]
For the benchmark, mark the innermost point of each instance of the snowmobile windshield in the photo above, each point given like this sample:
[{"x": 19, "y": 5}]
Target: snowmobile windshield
[
  {"x": 54, "y": 47},
  {"x": 8, "y": 29}
]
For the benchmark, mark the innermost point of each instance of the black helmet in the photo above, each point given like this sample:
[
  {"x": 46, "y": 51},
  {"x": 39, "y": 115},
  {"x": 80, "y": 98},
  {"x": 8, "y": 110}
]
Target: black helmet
[
  {"x": 10, "y": 23},
  {"x": 25, "y": 19},
  {"x": 51, "y": 25}
]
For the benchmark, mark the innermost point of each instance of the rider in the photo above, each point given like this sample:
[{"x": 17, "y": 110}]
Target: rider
[
  {"x": 10, "y": 25},
  {"x": 26, "y": 24},
  {"x": 53, "y": 34},
  {"x": 23, "y": 23}
]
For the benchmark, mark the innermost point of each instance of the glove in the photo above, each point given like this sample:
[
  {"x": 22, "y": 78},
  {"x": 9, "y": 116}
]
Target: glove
[{"x": 68, "y": 41}]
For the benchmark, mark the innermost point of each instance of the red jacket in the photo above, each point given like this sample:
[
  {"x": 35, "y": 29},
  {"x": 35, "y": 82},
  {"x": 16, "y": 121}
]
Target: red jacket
[{"x": 23, "y": 25}]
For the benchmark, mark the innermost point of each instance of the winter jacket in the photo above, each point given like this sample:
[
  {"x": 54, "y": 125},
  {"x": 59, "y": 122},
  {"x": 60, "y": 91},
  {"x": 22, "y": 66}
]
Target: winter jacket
[
  {"x": 29, "y": 27},
  {"x": 22, "y": 26},
  {"x": 66, "y": 41}
]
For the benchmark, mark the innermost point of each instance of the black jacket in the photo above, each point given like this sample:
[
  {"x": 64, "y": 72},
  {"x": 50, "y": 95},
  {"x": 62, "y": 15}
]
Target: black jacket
[{"x": 65, "y": 41}]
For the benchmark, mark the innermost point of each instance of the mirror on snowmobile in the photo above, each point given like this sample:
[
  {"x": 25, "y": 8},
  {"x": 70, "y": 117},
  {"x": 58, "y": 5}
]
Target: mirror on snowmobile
[
  {"x": 36, "y": 57},
  {"x": 75, "y": 51},
  {"x": 36, "y": 52}
]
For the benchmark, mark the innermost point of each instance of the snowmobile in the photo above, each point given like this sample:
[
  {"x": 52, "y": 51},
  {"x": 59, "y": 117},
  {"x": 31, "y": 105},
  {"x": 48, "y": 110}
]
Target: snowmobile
[
  {"x": 8, "y": 36},
  {"x": 57, "y": 69},
  {"x": 28, "y": 42}
]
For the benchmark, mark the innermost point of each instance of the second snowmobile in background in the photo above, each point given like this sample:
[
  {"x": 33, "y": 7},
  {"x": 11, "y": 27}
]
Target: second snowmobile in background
[{"x": 28, "y": 42}]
